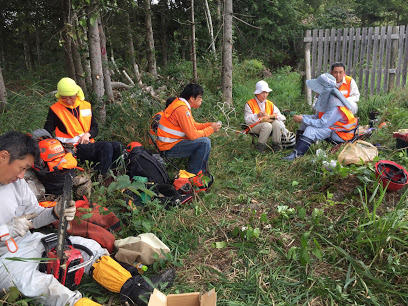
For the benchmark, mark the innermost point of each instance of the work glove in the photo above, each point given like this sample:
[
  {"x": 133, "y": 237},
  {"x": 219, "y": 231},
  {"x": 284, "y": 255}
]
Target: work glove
[
  {"x": 19, "y": 226},
  {"x": 69, "y": 210}
]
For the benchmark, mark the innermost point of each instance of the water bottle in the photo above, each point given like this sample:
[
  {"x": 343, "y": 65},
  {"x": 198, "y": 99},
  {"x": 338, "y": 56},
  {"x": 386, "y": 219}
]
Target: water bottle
[{"x": 141, "y": 268}]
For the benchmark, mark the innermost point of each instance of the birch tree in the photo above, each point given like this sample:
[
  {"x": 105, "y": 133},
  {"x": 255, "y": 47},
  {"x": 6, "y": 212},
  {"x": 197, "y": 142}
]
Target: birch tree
[
  {"x": 227, "y": 53},
  {"x": 193, "y": 44},
  {"x": 105, "y": 67},
  {"x": 96, "y": 58},
  {"x": 151, "y": 57},
  {"x": 208, "y": 19},
  {"x": 3, "y": 93}
]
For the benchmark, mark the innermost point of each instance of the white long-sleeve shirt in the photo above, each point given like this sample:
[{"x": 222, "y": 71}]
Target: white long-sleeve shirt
[
  {"x": 251, "y": 118},
  {"x": 17, "y": 199},
  {"x": 354, "y": 95}
]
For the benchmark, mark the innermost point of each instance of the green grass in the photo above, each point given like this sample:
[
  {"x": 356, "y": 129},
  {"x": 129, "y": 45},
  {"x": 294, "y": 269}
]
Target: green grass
[{"x": 268, "y": 232}]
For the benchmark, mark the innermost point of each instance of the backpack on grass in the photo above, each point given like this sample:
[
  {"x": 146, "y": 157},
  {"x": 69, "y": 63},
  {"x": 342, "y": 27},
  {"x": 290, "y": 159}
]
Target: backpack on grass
[
  {"x": 141, "y": 162},
  {"x": 54, "y": 164}
]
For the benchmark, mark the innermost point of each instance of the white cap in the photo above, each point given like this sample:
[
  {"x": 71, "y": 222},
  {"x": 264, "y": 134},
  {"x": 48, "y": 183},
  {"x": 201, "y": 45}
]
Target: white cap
[{"x": 261, "y": 86}]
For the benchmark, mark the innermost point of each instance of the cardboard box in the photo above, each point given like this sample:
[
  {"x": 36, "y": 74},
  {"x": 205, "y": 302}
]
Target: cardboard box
[{"x": 184, "y": 299}]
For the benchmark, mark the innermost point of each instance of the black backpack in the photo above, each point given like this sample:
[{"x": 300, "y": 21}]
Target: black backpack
[{"x": 141, "y": 162}]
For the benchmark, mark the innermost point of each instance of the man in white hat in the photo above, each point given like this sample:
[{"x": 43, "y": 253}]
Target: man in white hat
[
  {"x": 333, "y": 119},
  {"x": 263, "y": 117}
]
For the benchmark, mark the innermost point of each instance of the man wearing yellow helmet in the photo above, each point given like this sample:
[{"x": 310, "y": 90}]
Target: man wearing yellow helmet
[{"x": 72, "y": 121}]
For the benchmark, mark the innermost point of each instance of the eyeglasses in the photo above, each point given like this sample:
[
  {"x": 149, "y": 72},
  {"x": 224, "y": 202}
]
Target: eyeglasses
[{"x": 68, "y": 98}]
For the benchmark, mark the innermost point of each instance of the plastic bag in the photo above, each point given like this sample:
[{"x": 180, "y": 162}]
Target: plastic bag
[{"x": 356, "y": 152}]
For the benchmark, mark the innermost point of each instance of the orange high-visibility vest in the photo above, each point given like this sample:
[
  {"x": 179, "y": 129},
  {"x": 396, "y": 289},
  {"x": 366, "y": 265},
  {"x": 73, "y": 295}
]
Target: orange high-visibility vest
[
  {"x": 168, "y": 134},
  {"x": 75, "y": 127},
  {"x": 345, "y": 87},
  {"x": 255, "y": 110},
  {"x": 344, "y": 130}
]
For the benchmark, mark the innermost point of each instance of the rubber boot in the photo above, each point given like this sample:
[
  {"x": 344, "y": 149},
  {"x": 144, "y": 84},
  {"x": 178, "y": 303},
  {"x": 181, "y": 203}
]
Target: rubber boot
[
  {"x": 261, "y": 147},
  {"x": 301, "y": 148},
  {"x": 299, "y": 134},
  {"x": 277, "y": 147}
]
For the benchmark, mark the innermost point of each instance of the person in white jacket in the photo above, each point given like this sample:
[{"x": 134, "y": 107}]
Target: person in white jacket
[
  {"x": 20, "y": 211},
  {"x": 263, "y": 117}
]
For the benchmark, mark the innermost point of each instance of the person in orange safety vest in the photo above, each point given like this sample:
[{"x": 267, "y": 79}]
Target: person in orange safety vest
[
  {"x": 179, "y": 135},
  {"x": 333, "y": 119},
  {"x": 264, "y": 118},
  {"x": 72, "y": 121},
  {"x": 346, "y": 85}
]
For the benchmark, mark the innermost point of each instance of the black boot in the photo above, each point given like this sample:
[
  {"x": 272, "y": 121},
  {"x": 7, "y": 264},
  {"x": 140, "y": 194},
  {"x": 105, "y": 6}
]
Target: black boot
[
  {"x": 136, "y": 291},
  {"x": 299, "y": 134},
  {"x": 301, "y": 148}
]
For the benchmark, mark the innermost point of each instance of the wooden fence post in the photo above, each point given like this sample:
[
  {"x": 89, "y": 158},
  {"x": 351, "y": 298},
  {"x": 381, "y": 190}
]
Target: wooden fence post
[
  {"x": 393, "y": 60},
  {"x": 308, "y": 70}
]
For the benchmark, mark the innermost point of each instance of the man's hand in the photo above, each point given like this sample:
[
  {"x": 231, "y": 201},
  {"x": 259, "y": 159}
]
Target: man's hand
[
  {"x": 261, "y": 114},
  {"x": 84, "y": 138},
  {"x": 266, "y": 119},
  {"x": 298, "y": 118},
  {"x": 216, "y": 126},
  {"x": 273, "y": 116},
  {"x": 69, "y": 210},
  {"x": 19, "y": 226}
]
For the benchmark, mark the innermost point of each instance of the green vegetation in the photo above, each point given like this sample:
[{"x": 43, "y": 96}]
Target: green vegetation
[{"x": 268, "y": 232}]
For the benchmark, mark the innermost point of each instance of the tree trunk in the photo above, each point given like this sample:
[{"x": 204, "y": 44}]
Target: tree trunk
[
  {"x": 94, "y": 42},
  {"x": 105, "y": 67},
  {"x": 209, "y": 25},
  {"x": 3, "y": 94},
  {"x": 131, "y": 49},
  {"x": 79, "y": 71},
  {"x": 27, "y": 51},
  {"x": 227, "y": 53},
  {"x": 151, "y": 58},
  {"x": 193, "y": 45},
  {"x": 163, "y": 7},
  {"x": 38, "y": 43},
  {"x": 80, "y": 34},
  {"x": 68, "y": 40}
]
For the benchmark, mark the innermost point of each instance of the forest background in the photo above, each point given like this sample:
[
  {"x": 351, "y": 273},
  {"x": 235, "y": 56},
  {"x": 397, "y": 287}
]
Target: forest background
[{"x": 260, "y": 236}]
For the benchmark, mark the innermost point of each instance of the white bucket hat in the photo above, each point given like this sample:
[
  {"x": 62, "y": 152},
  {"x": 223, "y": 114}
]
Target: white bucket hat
[
  {"x": 324, "y": 81},
  {"x": 261, "y": 86}
]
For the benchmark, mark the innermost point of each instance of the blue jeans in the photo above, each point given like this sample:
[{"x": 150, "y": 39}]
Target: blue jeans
[{"x": 197, "y": 151}]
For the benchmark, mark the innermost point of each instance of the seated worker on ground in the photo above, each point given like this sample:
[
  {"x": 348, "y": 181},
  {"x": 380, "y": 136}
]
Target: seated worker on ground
[
  {"x": 71, "y": 119},
  {"x": 179, "y": 135},
  {"x": 21, "y": 211},
  {"x": 333, "y": 120},
  {"x": 264, "y": 118},
  {"x": 346, "y": 85}
]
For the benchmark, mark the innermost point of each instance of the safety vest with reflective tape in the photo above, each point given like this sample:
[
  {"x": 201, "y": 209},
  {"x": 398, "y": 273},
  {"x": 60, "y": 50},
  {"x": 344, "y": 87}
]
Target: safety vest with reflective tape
[
  {"x": 168, "y": 134},
  {"x": 75, "y": 127},
  {"x": 345, "y": 87},
  {"x": 344, "y": 130},
  {"x": 253, "y": 104}
]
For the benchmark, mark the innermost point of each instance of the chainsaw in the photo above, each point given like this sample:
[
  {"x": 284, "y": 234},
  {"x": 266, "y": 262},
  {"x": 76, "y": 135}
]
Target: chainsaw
[{"x": 66, "y": 262}]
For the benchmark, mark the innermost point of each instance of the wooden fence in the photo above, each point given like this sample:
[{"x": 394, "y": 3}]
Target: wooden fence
[{"x": 377, "y": 58}]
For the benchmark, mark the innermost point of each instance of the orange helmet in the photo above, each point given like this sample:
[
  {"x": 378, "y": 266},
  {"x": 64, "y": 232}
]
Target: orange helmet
[{"x": 50, "y": 149}]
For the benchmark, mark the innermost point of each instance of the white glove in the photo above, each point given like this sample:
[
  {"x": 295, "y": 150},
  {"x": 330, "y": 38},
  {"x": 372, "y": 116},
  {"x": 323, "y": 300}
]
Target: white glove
[
  {"x": 69, "y": 210},
  {"x": 19, "y": 226}
]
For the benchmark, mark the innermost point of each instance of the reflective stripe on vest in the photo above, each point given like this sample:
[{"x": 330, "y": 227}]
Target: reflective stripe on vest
[
  {"x": 344, "y": 130},
  {"x": 345, "y": 87},
  {"x": 75, "y": 127},
  {"x": 253, "y": 104},
  {"x": 168, "y": 134}
]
